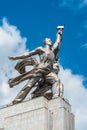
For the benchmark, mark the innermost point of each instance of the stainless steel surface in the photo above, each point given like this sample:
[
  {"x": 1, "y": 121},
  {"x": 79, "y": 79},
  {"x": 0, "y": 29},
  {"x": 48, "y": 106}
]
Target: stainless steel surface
[{"x": 44, "y": 75}]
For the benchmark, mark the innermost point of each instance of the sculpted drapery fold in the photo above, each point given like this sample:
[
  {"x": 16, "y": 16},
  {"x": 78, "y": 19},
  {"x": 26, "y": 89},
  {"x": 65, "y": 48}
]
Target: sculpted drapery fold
[{"x": 44, "y": 74}]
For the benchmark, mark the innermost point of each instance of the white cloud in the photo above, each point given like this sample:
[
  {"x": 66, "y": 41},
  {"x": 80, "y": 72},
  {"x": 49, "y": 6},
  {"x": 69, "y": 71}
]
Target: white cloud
[
  {"x": 84, "y": 46},
  {"x": 12, "y": 43},
  {"x": 83, "y": 3},
  {"x": 73, "y": 4},
  {"x": 76, "y": 93}
]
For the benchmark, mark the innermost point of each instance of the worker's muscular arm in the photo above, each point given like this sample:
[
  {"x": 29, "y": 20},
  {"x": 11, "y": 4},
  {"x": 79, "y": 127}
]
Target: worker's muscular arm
[
  {"x": 26, "y": 54},
  {"x": 56, "y": 45}
]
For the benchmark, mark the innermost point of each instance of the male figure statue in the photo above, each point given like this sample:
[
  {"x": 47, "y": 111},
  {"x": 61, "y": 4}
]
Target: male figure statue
[{"x": 43, "y": 70}]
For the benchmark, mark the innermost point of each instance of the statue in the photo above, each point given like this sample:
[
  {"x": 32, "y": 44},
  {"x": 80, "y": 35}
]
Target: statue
[{"x": 44, "y": 75}]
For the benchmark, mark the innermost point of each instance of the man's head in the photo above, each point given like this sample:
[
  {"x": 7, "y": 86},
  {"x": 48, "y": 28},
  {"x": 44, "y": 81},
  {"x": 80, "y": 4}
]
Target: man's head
[{"x": 48, "y": 41}]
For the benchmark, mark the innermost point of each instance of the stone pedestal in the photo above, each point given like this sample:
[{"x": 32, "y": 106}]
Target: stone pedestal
[{"x": 38, "y": 114}]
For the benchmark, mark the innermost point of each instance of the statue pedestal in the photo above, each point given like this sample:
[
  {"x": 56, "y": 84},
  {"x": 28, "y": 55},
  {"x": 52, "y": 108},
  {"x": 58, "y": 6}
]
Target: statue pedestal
[{"x": 38, "y": 114}]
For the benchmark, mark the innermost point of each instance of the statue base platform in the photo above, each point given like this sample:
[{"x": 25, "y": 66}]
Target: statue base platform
[{"x": 38, "y": 114}]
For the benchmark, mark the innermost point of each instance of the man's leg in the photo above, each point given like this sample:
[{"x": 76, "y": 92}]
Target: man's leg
[
  {"x": 53, "y": 79},
  {"x": 26, "y": 89}
]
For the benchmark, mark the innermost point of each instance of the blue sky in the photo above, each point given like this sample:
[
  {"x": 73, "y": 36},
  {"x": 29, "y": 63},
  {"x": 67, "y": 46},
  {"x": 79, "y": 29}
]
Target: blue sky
[
  {"x": 23, "y": 26},
  {"x": 38, "y": 19}
]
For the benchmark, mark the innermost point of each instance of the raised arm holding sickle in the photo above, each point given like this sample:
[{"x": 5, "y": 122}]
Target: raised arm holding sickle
[{"x": 44, "y": 70}]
